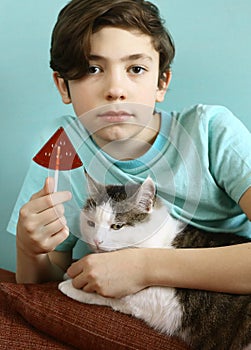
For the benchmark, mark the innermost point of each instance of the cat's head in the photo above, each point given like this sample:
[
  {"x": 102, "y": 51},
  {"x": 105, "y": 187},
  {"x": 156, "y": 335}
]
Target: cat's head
[{"x": 116, "y": 216}]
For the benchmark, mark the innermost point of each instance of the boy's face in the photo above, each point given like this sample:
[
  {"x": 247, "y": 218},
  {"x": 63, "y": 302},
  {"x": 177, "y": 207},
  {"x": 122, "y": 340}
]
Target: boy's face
[{"x": 123, "y": 74}]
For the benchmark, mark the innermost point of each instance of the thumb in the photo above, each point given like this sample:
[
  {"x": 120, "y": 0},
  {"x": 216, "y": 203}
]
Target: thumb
[
  {"x": 47, "y": 189},
  {"x": 49, "y": 185}
]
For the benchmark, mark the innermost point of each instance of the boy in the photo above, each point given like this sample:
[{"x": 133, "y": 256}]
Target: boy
[{"x": 110, "y": 59}]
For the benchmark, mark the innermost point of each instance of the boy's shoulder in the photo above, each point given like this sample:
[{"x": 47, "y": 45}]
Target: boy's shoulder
[
  {"x": 203, "y": 111},
  {"x": 208, "y": 117}
]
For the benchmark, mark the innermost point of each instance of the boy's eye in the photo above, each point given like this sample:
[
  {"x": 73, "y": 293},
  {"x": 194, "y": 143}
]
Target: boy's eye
[
  {"x": 116, "y": 226},
  {"x": 137, "y": 70},
  {"x": 94, "y": 70}
]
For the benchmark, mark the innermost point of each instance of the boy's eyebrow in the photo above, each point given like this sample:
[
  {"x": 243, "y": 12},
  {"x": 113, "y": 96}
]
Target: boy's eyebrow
[{"x": 132, "y": 57}]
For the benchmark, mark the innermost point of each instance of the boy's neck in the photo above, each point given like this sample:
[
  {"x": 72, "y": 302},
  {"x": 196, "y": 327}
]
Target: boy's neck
[{"x": 135, "y": 147}]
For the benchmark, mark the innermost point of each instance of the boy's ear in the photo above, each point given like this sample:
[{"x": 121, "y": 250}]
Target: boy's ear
[
  {"x": 62, "y": 88},
  {"x": 163, "y": 85}
]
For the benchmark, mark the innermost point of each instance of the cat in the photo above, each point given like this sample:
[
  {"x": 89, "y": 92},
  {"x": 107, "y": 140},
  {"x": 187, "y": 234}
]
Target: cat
[{"x": 119, "y": 216}]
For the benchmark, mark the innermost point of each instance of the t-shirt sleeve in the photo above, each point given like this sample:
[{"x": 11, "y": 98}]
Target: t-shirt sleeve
[{"x": 229, "y": 153}]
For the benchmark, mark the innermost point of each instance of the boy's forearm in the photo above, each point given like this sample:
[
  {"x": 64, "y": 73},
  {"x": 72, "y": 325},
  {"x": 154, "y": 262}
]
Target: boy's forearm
[
  {"x": 226, "y": 269},
  {"x": 36, "y": 269}
]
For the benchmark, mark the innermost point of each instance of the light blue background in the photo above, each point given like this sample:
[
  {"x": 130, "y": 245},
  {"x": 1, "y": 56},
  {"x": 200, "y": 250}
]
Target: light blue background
[{"x": 212, "y": 65}]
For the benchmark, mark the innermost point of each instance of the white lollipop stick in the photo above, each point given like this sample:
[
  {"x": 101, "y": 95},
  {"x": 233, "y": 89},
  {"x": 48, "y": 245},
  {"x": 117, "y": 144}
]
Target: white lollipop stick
[{"x": 57, "y": 169}]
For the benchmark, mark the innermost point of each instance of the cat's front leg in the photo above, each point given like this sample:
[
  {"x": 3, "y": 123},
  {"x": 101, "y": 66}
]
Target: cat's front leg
[{"x": 67, "y": 288}]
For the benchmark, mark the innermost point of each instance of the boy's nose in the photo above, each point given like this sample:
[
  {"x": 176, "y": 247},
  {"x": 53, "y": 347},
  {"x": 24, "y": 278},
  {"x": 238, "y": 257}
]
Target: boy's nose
[
  {"x": 115, "y": 86},
  {"x": 115, "y": 93}
]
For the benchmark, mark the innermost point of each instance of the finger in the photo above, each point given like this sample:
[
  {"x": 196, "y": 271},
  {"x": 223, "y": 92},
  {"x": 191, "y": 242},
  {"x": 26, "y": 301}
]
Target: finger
[
  {"x": 80, "y": 281},
  {"x": 41, "y": 204},
  {"x": 88, "y": 288},
  {"x": 52, "y": 242},
  {"x": 75, "y": 269},
  {"x": 60, "y": 236},
  {"x": 54, "y": 227},
  {"x": 51, "y": 214}
]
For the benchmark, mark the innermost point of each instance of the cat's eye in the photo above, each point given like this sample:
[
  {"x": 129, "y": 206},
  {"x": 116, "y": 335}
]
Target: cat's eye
[
  {"x": 90, "y": 223},
  {"x": 116, "y": 226}
]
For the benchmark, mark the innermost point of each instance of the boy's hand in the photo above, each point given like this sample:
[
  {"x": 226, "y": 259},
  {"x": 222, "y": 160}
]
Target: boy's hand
[
  {"x": 42, "y": 225},
  {"x": 114, "y": 274}
]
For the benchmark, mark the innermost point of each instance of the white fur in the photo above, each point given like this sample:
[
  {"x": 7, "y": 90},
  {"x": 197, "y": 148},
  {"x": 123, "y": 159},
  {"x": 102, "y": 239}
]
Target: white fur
[
  {"x": 157, "y": 232},
  {"x": 157, "y": 306}
]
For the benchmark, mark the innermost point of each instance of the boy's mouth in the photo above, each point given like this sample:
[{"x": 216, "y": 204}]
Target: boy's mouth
[{"x": 115, "y": 116}]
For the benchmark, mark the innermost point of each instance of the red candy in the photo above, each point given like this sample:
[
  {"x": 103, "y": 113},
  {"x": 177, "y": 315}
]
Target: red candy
[{"x": 50, "y": 157}]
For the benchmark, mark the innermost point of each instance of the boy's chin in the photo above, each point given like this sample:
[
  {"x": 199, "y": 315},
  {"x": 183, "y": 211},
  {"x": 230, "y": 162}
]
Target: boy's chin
[{"x": 118, "y": 133}]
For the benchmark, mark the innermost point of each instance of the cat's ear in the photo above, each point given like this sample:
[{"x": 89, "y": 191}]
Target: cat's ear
[
  {"x": 146, "y": 195},
  {"x": 94, "y": 188}
]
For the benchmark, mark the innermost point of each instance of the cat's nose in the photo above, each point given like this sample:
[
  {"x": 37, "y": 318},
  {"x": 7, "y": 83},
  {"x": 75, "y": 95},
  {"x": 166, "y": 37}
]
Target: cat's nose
[{"x": 97, "y": 242}]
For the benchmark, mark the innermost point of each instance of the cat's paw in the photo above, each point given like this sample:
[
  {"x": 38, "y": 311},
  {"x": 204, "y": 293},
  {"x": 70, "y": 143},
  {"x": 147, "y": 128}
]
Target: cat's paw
[
  {"x": 123, "y": 305},
  {"x": 67, "y": 288}
]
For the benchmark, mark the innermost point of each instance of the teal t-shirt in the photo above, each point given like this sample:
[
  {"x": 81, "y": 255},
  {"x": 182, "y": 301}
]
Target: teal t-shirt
[{"x": 200, "y": 162}]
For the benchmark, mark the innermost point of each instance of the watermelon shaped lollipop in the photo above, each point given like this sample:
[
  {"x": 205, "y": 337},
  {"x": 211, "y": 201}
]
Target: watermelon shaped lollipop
[{"x": 58, "y": 153}]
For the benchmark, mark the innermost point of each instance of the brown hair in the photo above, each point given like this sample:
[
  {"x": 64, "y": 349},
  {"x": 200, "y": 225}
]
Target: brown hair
[{"x": 77, "y": 21}]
